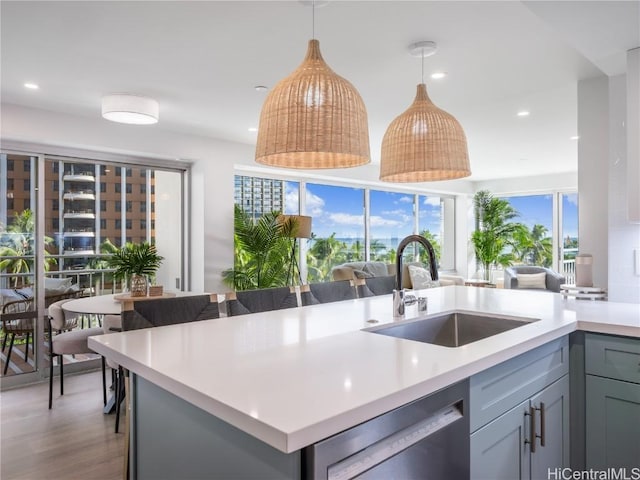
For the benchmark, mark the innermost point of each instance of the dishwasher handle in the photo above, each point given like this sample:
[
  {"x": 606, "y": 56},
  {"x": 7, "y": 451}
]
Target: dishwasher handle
[{"x": 390, "y": 446}]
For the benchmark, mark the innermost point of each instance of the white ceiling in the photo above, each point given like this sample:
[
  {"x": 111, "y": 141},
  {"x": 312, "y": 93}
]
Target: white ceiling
[{"x": 201, "y": 60}]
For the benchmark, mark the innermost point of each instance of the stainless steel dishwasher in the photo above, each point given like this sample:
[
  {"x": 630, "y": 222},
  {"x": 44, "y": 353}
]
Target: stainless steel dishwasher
[{"x": 427, "y": 439}]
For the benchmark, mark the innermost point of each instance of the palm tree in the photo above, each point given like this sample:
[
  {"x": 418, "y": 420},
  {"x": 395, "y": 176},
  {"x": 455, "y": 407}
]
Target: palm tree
[
  {"x": 534, "y": 247},
  {"x": 494, "y": 231},
  {"x": 377, "y": 249},
  {"x": 262, "y": 251},
  {"x": 323, "y": 255},
  {"x": 17, "y": 241},
  {"x": 435, "y": 243}
]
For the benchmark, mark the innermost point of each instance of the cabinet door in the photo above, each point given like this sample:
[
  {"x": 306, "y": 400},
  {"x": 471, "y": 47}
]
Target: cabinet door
[
  {"x": 613, "y": 423},
  {"x": 552, "y": 426},
  {"x": 499, "y": 451}
]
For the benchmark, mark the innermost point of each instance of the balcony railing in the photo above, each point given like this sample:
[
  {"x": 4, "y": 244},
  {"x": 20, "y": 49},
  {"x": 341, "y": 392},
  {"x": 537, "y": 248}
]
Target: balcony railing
[{"x": 92, "y": 281}]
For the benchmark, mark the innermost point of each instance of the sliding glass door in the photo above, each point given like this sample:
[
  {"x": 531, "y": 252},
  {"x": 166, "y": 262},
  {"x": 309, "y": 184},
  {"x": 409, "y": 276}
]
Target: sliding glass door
[{"x": 60, "y": 220}]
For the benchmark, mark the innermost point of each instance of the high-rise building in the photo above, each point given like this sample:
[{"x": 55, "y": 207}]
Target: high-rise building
[
  {"x": 86, "y": 204},
  {"x": 258, "y": 196}
]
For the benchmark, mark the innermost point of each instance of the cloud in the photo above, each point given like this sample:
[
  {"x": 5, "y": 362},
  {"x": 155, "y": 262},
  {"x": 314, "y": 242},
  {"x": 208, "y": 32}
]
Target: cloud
[
  {"x": 346, "y": 219},
  {"x": 405, "y": 199},
  {"x": 432, "y": 201},
  {"x": 572, "y": 198},
  {"x": 315, "y": 204},
  {"x": 291, "y": 196},
  {"x": 377, "y": 221}
]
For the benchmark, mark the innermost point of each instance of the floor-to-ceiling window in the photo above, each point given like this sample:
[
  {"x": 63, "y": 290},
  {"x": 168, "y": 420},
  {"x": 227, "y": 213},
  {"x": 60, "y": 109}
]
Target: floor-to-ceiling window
[
  {"x": 89, "y": 209},
  {"x": 337, "y": 228},
  {"x": 18, "y": 224},
  {"x": 551, "y": 220},
  {"x": 352, "y": 224},
  {"x": 568, "y": 236},
  {"x": 391, "y": 218}
]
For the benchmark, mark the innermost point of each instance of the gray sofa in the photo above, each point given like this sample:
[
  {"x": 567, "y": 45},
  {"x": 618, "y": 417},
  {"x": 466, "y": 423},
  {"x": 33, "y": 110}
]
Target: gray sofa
[
  {"x": 553, "y": 280},
  {"x": 359, "y": 270}
]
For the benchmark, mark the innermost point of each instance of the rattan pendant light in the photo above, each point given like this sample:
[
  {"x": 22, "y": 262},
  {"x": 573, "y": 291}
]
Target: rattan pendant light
[
  {"x": 424, "y": 143},
  {"x": 313, "y": 119}
]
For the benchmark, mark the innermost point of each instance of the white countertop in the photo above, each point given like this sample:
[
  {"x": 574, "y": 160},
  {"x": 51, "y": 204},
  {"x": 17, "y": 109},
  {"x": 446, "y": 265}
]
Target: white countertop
[{"x": 293, "y": 377}]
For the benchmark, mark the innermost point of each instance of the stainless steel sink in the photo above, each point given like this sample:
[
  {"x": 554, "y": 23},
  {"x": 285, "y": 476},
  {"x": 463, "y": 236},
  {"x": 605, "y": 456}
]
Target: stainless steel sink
[{"x": 452, "y": 329}]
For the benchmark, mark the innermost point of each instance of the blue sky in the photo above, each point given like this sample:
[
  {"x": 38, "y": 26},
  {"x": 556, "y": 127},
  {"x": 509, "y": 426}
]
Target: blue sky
[{"x": 538, "y": 209}]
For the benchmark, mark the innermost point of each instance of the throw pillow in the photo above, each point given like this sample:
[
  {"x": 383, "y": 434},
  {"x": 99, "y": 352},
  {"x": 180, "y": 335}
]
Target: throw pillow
[
  {"x": 376, "y": 269},
  {"x": 420, "y": 277},
  {"x": 532, "y": 280},
  {"x": 60, "y": 284},
  {"x": 362, "y": 274}
]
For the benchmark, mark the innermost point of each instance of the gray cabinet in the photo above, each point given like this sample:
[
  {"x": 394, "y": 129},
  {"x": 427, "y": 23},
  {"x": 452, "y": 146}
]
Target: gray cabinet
[
  {"x": 501, "y": 450},
  {"x": 612, "y": 365},
  {"x": 514, "y": 403}
]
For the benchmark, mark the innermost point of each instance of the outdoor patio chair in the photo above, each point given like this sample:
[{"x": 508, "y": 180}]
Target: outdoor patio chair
[{"x": 18, "y": 319}]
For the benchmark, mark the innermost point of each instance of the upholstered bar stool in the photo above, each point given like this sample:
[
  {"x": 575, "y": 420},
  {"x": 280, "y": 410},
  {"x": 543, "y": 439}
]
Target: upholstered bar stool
[{"x": 71, "y": 342}]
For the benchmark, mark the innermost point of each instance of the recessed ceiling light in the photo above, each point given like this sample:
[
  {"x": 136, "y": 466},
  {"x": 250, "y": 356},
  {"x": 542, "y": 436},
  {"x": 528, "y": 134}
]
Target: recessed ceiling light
[
  {"x": 523, "y": 113},
  {"x": 253, "y": 129},
  {"x": 575, "y": 137},
  {"x": 261, "y": 88},
  {"x": 31, "y": 86},
  {"x": 438, "y": 75}
]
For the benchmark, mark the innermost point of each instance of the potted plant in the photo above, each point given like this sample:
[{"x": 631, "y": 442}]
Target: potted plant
[{"x": 135, "y": 262}]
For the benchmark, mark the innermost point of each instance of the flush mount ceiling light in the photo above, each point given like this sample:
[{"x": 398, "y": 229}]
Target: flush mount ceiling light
[
  {"x": 424, "y": 143},
  {"x": 313, "y": 119},
  {"x": 133, "y": 109}
]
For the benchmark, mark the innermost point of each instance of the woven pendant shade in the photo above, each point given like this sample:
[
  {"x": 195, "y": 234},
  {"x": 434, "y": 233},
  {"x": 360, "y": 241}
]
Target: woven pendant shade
[
  {"x": 313, "y": 119},
  {"x": 424, "y": 144}
]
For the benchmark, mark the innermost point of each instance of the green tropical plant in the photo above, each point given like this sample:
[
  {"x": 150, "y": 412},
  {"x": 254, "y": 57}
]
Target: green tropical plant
[
  {"x": 495, "y": 231},
  {"x": 433, "y": 240},
  {"x": 534, "y": 247},
  {"x": 135, "y": 259},
  {"x": 323, "y": 255},
  {"x": 17, "y": 242},
  {"x": 262, "y": 251}
]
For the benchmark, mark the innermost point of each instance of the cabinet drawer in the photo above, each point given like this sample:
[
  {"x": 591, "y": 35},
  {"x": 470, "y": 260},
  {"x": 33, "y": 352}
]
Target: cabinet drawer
[
  {"x": 509, "y": 383},
  {"x": 613, "y": 357}
]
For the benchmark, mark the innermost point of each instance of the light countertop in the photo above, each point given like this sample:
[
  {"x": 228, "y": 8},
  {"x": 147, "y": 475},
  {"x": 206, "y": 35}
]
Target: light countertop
[{"x": 294, "y": 377}]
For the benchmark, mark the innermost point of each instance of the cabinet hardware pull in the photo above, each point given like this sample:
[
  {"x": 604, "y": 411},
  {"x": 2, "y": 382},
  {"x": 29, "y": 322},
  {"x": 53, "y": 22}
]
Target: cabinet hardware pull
[
  {"x": 532, "y": 428},
  {"x": 542, "y": 435}
]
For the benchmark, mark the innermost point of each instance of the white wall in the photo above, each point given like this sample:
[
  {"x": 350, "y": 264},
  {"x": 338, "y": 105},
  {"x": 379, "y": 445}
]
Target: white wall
[
  {"x": 593, "y": 173},
  {"x": 213, "y": 161}
]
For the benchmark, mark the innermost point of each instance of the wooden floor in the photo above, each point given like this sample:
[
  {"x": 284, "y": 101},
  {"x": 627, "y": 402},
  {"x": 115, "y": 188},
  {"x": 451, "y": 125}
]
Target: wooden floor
[{"x": 74, "y": 440}]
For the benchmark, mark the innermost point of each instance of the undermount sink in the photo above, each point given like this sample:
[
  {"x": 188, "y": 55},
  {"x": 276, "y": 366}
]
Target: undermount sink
[{"x": 453, "y": 329}]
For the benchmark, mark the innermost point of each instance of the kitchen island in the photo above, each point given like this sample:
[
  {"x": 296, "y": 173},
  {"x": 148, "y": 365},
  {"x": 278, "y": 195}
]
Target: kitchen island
[{"x": 291, "y": 378}]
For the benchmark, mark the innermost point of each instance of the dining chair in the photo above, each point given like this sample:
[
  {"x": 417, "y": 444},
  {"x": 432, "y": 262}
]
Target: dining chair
[
  {"x": 369, "y": 287},
  {"x": 158, "y": 312},
  {"x": 18, "y": 319},
  {"x": 325, "y": 292},
  {"x": 68, "y": 340},
  {"x": 261, "y": 300}
]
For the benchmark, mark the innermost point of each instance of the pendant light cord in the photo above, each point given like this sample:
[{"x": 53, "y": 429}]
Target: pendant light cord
[
  {"x": 313, "y": 19},
  {"x": 423, "y": 65}
]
